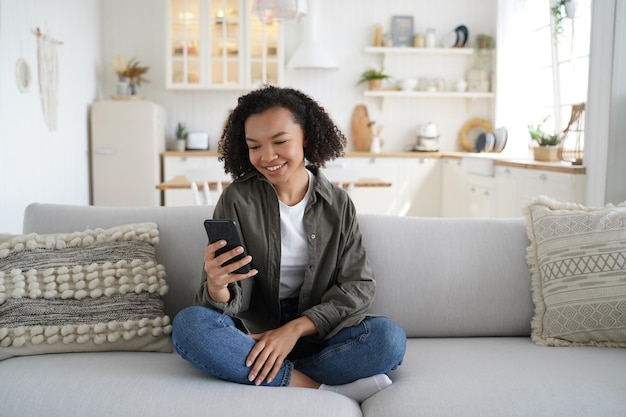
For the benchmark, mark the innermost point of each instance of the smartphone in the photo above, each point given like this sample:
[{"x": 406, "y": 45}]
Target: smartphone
[{"x": 226, "y": 230}]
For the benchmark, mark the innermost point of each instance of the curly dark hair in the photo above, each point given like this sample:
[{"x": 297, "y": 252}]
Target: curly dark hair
[{"x": 323, "y": 138}]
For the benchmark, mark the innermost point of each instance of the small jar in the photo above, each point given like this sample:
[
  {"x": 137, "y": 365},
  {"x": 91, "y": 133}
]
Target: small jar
[
  {"x": 431, "y": 40},
  {"x": 386, "y": 39},
  {"x": 440, "y": 84},
  {"x": 419, "y": 41}
]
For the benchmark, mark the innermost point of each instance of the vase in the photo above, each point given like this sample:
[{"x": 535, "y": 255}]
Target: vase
[
  {"x": 431, "y": 39},
  {"x": 546, "y": 153},
  {"x": 122, "y": 87}
]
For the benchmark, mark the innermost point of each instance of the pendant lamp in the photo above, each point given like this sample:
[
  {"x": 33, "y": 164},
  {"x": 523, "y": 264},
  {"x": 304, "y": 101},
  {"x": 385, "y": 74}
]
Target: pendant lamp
[{"x": 275, "y": 10}]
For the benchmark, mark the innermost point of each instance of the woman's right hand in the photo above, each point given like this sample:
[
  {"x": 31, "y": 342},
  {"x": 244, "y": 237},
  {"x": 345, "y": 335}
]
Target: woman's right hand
[{"x": 218, "y": 276}]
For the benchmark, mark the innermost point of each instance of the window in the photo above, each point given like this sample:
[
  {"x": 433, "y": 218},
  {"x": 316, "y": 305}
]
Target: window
[{"x": 544, "y": 67}]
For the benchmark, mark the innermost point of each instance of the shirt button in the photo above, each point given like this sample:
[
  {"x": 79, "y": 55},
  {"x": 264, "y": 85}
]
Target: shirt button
[{"x": 313, "y": 236}]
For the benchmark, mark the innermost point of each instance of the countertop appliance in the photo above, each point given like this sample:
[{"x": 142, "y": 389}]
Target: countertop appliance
[
  {"x": 127, "y": 139},
  {"x": 427, "y": 138},
  {"x": 198, "y": 141}
]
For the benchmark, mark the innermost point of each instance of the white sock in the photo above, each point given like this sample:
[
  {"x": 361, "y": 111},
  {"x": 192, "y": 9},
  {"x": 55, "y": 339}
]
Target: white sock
[{"x": 361, "y": 389}]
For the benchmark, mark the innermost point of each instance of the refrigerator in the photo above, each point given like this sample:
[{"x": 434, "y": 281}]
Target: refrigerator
[{"x": 127, "y": 139}]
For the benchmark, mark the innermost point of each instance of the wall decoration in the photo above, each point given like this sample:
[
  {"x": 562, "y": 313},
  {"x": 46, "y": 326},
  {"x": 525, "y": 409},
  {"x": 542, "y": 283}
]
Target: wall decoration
[
  {"x": 48, "y": 77},
  {"x": 23, "y": 75},
  {"x": 402, "y": 30}
]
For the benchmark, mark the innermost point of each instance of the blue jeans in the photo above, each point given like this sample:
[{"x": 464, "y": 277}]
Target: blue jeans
[{"x": 211, "y": 341}]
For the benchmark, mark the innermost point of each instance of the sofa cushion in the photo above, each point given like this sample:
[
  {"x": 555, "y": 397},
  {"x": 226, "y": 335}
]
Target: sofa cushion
[
  {"x": 95, "y": 290},
  {"x": 577, "y": 257},
  {"x": 147, "y": 384},
  {"x": 502, "y": 377}
]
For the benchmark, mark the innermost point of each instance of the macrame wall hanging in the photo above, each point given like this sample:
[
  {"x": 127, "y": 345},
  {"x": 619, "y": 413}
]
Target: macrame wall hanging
[{"x": 48, "y": 67}]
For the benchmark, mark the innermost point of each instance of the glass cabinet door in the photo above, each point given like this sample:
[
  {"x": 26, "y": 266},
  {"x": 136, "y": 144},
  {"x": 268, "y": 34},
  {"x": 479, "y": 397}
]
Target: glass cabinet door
[
  {"x": 225, "y": 40},
  {"x": 185, "y": 42},
  {"x": 265, "y": 54},
  {"x": 221, "y": 44}
]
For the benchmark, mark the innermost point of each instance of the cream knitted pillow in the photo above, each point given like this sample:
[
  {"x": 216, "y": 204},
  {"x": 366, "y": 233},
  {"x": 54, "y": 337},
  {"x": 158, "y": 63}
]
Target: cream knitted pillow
[
  {"x": 577, "y": 257},
  {"x": 96, "y": 290}
]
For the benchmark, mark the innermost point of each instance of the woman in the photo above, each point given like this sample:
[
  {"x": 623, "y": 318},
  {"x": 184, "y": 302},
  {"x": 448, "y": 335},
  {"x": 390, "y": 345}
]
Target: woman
[{"x": 299, "y": 317}]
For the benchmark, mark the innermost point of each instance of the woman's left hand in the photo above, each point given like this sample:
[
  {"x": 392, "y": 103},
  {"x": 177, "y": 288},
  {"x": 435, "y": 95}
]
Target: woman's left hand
[{"x": 272, "y": 348}]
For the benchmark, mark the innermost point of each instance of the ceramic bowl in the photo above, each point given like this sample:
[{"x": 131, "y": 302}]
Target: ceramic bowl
[{"x": 407, "y": 85}]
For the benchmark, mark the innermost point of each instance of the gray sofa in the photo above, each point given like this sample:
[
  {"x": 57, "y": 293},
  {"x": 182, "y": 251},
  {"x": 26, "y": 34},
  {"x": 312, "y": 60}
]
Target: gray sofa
[{"x": 459, "y": 287}]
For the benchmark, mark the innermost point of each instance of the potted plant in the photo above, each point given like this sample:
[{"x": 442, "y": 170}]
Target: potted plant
[
  {"x": 373, "y": 77},
  {"x": 181, "y": 137},
  {"x": 547, "y": 149}
]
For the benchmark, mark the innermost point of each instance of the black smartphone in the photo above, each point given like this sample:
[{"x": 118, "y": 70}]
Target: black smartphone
[{"x": 226, "y": 230}]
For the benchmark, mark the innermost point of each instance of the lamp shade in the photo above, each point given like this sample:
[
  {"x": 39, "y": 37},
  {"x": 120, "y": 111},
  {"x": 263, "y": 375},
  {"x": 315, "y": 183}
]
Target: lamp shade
[{"x": 273, "y": 10}]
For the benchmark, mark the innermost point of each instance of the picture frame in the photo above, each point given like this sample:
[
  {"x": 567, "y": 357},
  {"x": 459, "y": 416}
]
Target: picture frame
[{"x": 402, "y": 30}]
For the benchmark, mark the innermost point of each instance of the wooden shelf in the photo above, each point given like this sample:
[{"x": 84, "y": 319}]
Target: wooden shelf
[
  {"x": 420, "y": 51},
  {"x": 427, "y": 94}
]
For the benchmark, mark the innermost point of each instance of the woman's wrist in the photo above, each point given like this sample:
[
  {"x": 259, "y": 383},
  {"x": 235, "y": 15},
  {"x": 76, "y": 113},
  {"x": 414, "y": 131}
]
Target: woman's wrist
[
  {"x": 303, "y": 326},
  {"x": 220, "y": 294}
]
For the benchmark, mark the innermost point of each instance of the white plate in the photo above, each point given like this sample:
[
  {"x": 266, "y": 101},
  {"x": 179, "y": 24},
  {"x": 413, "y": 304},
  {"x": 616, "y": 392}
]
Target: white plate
[
  {"x": 450, "y": 39},
  {"x": 501, "y": 135}
]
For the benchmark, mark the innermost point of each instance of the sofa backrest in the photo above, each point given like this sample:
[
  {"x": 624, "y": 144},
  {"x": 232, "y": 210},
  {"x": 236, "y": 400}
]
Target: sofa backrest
[
  {"x": 442, "y": 277},
  {"x": 436, "y": 277}
]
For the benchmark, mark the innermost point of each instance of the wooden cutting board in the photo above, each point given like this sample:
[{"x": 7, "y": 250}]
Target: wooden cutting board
[{"x": 361, "y": 132}]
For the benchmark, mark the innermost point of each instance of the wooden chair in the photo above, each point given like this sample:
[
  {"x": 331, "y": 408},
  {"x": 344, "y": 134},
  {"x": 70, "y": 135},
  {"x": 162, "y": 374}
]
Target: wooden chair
[
  {"x": 208, "y": 178},
  {"x": 337, "y": 173}
]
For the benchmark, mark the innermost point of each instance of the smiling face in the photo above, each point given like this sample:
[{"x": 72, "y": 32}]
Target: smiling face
[{"x": 276, "y": 149}]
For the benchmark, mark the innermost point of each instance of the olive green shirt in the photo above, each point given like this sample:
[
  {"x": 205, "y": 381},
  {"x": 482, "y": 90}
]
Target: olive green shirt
[{"x": 338, "y": 286}]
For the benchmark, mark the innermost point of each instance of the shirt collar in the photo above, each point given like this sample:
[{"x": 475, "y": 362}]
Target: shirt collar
[{"x": 321, "y": 187}]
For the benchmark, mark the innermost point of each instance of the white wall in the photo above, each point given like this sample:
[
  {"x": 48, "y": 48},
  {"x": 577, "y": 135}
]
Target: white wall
[
  {"x": 345, "y": 28},
  {"x": 37, "y": 165}
]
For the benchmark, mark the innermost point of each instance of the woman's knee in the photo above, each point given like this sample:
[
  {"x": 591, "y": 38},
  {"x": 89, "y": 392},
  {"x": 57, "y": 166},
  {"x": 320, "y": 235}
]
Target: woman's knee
[
  {"x": 390, "y": 337},
  {"x": 193, "y": 314},
  {"x": 193, "y": 321}
]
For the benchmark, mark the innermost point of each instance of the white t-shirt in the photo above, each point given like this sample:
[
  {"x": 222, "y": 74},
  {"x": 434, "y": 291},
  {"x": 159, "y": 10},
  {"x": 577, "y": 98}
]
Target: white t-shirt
[{"x": 294, "y": 247}]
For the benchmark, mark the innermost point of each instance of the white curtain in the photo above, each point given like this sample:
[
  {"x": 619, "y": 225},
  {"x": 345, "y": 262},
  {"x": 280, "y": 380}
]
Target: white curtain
[{"x": 517, "y": 22}]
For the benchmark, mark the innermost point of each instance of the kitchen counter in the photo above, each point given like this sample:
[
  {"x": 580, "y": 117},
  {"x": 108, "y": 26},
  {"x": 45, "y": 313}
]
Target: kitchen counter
[{"x": 526, "y": 163}]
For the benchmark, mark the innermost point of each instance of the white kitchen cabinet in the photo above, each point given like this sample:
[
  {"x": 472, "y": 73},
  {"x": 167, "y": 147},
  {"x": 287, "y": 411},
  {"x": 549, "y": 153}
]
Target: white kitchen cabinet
[
  {"x": 516, "y": 186},
  {"x": 221, "y": 45},
  {"x": 422, "y": 185},
  {"x": 508, "y": 200},
  {"x": 481, "y": 192},
  {"x": 454, "y": 189},
  {"x": 414, "y": 190}
]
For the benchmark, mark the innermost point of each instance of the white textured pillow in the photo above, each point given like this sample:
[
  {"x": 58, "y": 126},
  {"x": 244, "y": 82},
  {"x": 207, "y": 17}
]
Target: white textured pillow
[
  {"x": 577, "y": 257},
  {"x": 96, "y": 290}
]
